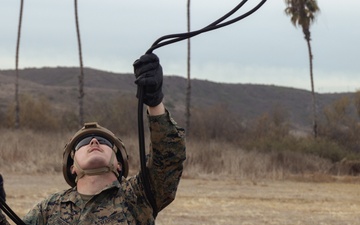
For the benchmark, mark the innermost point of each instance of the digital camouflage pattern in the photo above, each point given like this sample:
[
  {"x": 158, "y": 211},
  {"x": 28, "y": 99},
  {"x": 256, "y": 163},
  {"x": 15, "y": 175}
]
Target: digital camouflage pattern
[{"x": 123, "y": 202}]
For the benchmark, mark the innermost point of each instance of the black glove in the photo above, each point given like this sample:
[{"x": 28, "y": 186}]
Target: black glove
[
  {"x": 2, "y": 190},
  {"x": 149, "y": 76}
]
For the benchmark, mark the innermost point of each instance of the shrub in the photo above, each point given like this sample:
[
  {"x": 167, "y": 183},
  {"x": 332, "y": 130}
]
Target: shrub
[
  {"x": 35, "y": 113},
  {"x": 215, "y": 123}
]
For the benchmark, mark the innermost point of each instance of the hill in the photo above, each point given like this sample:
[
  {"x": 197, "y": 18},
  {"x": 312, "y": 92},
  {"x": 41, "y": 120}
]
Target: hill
[{"x": 60, "y": 86}]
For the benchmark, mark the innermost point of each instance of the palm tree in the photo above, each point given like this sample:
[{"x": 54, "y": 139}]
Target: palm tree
[
  {"x": 17, "y": 107},
  {"x": 188, "y": 89},
  {"x": 81, "y": 76},
  {"x": 302, "y": 13}
]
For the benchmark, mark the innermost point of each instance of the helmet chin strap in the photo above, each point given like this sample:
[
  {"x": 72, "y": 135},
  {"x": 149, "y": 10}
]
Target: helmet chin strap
[{"x": 92, "y": 172}]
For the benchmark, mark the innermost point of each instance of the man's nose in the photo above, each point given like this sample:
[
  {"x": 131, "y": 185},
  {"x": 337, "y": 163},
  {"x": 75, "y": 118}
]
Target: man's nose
[{"x": 94, "y": 141}]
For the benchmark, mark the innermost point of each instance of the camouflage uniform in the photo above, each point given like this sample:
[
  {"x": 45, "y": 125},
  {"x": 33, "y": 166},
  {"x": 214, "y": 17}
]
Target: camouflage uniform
[{"x": 123, "y": 202}]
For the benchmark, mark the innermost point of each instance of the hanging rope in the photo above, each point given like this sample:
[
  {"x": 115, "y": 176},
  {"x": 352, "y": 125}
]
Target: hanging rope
[
  {"x": 3, "y": 206},
  {"x": 81, "y": 76},
  {"x": 165, "y": 40},
  {"x": 11, "y": 214},
  {"x": 17, "y": 107},
  {"x": 144, "y": 170},
  {"x": 172, "y": 38}
]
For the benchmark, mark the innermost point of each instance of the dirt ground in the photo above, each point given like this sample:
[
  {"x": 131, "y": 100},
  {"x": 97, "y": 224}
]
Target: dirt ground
[{"x": 225, "y": 201}]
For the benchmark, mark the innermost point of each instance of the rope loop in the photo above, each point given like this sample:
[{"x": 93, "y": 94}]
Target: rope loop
[{"x": 172, "y": 38}]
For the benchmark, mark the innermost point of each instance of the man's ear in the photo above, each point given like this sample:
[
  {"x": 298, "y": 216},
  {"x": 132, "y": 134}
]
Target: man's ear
[{"x": 119, "y": 167}]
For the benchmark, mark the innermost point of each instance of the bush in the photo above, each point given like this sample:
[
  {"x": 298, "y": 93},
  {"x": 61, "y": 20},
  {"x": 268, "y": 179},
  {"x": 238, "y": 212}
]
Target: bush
[
  {"x": 215, "y": 123},
  {"x": 323, "y": 148},
  {"x": 35, "y": 113},
  {"x": 268, "y": 134},
  {"x": 118, "y": 114}
]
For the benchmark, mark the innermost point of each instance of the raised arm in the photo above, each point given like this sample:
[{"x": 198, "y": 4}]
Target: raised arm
[{"x": 167, "y": 148}]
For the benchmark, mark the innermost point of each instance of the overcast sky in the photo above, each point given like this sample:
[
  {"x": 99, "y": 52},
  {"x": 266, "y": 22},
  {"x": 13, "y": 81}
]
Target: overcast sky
[{"x": 264, "y": 48}]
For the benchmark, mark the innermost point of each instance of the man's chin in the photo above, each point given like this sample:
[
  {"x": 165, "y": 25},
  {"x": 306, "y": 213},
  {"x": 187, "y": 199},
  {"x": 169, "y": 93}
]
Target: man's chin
[{"x": 96, "y": 162}]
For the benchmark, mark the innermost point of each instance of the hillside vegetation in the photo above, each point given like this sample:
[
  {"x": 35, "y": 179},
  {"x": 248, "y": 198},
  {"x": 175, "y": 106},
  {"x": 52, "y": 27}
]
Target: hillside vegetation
[
  {"x": 60, "y": 87},
  {"x": 232, "y": 125}
]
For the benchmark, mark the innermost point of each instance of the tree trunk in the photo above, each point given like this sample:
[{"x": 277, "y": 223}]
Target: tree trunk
[
  {"x": 307, "y": 37},
  {"x": 81, "y": 76},
  {"x": 188, "y": 89},
  {"x": 17, "y": 103}
]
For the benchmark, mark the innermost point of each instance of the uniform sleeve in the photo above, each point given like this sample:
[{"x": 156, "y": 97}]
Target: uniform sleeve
[{"x": 167, "y": 154}]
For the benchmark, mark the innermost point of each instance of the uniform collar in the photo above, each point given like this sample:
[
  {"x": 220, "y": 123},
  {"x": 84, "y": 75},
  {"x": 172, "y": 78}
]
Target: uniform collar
[{"x": 72, "y": 195}]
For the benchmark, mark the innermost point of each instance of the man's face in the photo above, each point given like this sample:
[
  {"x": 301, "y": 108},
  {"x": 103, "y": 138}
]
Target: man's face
[{"x": 94, "y": 152}]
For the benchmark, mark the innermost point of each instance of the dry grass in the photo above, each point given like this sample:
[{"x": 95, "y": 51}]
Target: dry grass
[
  {"x": 28, "y": 152},
  {"x": 225, "y": 159},
  {"x": 32, "y": 152},
  {"x": 225, "y": 201},
  {"x": 221, "y": 184}
]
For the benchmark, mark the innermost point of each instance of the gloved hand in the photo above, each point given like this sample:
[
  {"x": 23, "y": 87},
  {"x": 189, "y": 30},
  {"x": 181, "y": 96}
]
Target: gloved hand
[
  {"x": 2, "y": 190},
  {"x": 149, "y": 76}
]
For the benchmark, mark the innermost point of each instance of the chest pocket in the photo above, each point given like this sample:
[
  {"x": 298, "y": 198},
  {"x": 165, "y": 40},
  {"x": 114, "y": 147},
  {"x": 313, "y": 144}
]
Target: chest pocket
[
  {"x": 58, "y": 221},
  {"x": 116, "y": 218}
]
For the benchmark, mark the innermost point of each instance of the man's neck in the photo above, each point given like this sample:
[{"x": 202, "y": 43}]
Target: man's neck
[{"x": 92, "y": 185}]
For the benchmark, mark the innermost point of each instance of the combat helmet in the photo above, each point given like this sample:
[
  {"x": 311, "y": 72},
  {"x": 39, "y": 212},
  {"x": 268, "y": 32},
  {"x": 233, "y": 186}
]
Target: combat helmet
[{"x": 93, "y": 128}]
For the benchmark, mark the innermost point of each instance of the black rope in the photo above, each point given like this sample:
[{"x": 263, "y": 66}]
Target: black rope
[
  {"x": 162, "y": 41},
  {"x": 172, "y": 38},
  {"x": 144, "y": 170},
  {"x": 11, "y": 214}
]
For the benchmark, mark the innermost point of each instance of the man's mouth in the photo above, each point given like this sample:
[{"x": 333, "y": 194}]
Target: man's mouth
[{"x": 94, "y": 149}]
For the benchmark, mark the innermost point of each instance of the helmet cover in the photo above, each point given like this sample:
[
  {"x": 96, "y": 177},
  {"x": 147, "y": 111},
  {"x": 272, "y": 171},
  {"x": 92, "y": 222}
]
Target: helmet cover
[{"x": 93, "y": 128}]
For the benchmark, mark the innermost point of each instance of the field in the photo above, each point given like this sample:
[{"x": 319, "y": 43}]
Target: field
[
  {"x": 230, "y": 201},
  {"x": 222, "y": 184}
]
